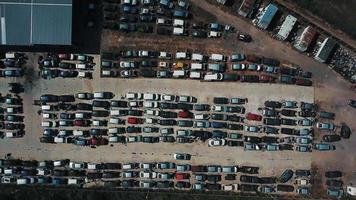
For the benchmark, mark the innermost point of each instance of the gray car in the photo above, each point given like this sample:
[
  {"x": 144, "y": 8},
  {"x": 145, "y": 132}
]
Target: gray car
[{"x": 201, "y": 124}]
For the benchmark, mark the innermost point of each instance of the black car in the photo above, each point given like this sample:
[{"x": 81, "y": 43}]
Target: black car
[
  {"x": 334, "y": 183},
  {"x": 345, "y": 131},
  {"x": 270, "y": 130},
  {"x": 352, "y": 103},
  {"x": 247, "y": 187},
  {"x": 201, "y": 107},
  {"x": 168, "y": 114},
  {"x": 202, "y": 135},
  {"x": 333, "y": 174},
  {"x": 185, "y": 106},
  {"x": 289, "y": 122},
  {"x": 273, "y": 104},
  {"x": 233, "y": 143},
  {"x": 286, "y": 176},
  {"x": 288, "y": 71},
  {"x": 285, "y": 188},
  {"x": 13, "y": 118},
  {"x": 58, "y": 172},
  {"x": 302, "y": 172},
  {"x": 250, "y": 78},
  {"x": 165, "y": 105},
  {"x": 101, "y": 104},
  {"x": 84, "y": 106},
  {"x": 286, "y": 147},
  {"x": 96, "y": 132},
  {"x": 287, "y": 79},
  {"x": 230, "y": 177},
  {"x": 133, "y": 129},
  {"x": 77, "y": 173},
  {"x": 135, "y": 112},
  {"x": 214, "y": 178},
  {"x": 167, "y": 122},
  {"x": 230, "y": 77},
  {"x": 166, "y": 138},
  {"x": 199, "y": 34},
  {"x": 150, "y": 139},
  {"x": 272, "y": 121},
  {"x": 211, "y": 186},
  {"x": 66, "y": 115},
  {"x": 218, "y": 116},
  {"x": 331, "y": 138},
  {"x": 288, "y": 113},
  {"x": 47, "y": 139},
  {"x": 29, "y": 163},
  {"x": 252, "y": 139},
  {"x": 13, "y": 126},
  {"x": 100, "y": 113},
  {"x": 49, "y": 98},
  {"x": 249, "y": 179},
  {"x": 327, "y": 115},
  {"x": 67, "y": 74},
  {"x": 111, "y": 174},
  {"x": 165, "y": 184},
  {"x": 267, "y": 139},
  {"x": 235, "y": 126},
  {"x": 306, "y": 113},
  {"x": 148, "y": 73},
  {"x": 268, "y": 180},
  {"x": 220, "y": 100},
  {"x": 235, "y": 118},
  {"x": 289, "y": 131},
  {"x": 111, "y": 166},
  {"x": 182, "y": 184},
  {"x": 118, "y": 104},
  {"x": 66, "y": 98}
]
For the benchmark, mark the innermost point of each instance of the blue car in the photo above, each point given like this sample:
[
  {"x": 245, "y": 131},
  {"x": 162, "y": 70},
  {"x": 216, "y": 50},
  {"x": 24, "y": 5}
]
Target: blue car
[
  {"x": 333, "y": 192},
  {"x": 219, "y": 134},
  {"x": 59, "y": 181},
  {"x": 80, "y": 142},
  {"x": 324, "y": 147},
  {"x": 13, "y": 73},
  {"x": 44, "y": 180},
  {"x": 217, "y": 124}
]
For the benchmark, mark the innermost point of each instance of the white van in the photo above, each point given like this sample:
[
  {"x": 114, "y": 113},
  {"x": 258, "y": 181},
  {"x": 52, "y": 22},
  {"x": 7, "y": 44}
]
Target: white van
[
  {"x": 197, "y": 57},
  {"x": 178, "y": 31},
  {"x": 114, "y": 121},
  {"x": 160, "y": 21},
  {"x": 217, "y": 57},
  {"x": 182, "y": 55},
  {"x": 49, "y": 124},
  {"x": 79, "y": 115},
  {"x": 213, "y": 77},
  {"x": 115, "y": 112},
  {"x": 48, "y": 115},
  {"x": 75, "y": 181},
  {"x": 93, "y": 166},
  {"x": 22, "y": 181},
  {"x": 178, "y": 22},
  {"x": 81, "y": 66},
  {"x": 78, "y": 133},
  {"x": 201, "y": 116},
  {"x": 47, "y": 107},
  {"x": 12, "y": 134},
  {"x": 198, "y": 66},
  {"x": 179, "y": 73},
  {"x": 214, "y": 34},
  {"x": 10, "y": 55},
  {"x": 59, "y": 140},
  {"x": 195, "y": 75},
  {"x": 113, "y": 130},
  {"x": 84, "y": 75}
]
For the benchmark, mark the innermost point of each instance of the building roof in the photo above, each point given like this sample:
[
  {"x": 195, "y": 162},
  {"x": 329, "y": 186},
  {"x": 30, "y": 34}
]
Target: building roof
[
  {"x": 286, "y": 27},
  {"x": 47, "y": 22},
  {"x": 246, "y": 7},
  {"x": 267, "y": 16},
  {"x": 325, "y": 50},
  {"x": 307, "y": 36}
]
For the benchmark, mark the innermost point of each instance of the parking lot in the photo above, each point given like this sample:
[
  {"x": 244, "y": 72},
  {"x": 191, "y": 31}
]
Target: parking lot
[{"x": 28, "y": 146}]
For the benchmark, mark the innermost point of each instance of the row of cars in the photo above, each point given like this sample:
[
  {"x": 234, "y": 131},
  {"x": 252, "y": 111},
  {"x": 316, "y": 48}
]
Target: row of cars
[
  {"x": 66, "y": 66},
  {"x": 161, "y": 175},
  {"x": 161, "y": 17},
  {"x": 196, "y": 66},
  {"x": 12, "y": 65},
  {"x": 11, "y": 118}
]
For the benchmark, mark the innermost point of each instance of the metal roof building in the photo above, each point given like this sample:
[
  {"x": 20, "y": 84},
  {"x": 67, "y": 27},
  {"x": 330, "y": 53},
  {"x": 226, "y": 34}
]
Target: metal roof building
[
  {"x": 246, "y": 7},
  {"x": 35, "y": 22},
  {"x": 325, "y": 50},
  {"x": 286, "y": 27},
  {"x": 304, "y": 40},
  {"x": 267, "y": 16}
]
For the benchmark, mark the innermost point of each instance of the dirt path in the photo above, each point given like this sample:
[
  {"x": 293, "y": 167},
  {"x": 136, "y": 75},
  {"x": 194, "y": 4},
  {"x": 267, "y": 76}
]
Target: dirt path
[{"x": 340, "y": 35}]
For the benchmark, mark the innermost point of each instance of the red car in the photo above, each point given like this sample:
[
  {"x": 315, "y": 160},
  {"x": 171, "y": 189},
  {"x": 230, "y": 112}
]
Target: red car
[
  {"x": 81, "y": 122},
  {"x": 181, "y": 176},
  {"x": 94, "y": 141},
  {"x": 304, "y": 82},
  {"x": 266, "y": 78},
  {"x": 185, "y": 114},
  {"x": 134, "y": 120},
  {"x": 255, "y": 117}
]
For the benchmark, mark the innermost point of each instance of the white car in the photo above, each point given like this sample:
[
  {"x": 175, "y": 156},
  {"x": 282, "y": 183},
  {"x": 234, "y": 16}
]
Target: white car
[
  {"x": 229, "y": 187},
  {"x": 217, "y": 108},
  {"x": 134, "y": 95},
  {"x": 186, "y": 99},
  {"x": 127, "y": 64},
  {"x": 148, "y": 174},
  {"x": 150, "y": 121},
  {"x": 135, "y": 103},
  {"x": 152, "y": 112},
  {"x": 325, "y": 126},
  {"x": 77, "y": 165},
  {"x": 146, "y": 165},
  {"x": 216, "y": 142},
  {"x": 168, "y": 97},
  {"x": 151, "y": 97},
  {"x": 150, "y": 104}
]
